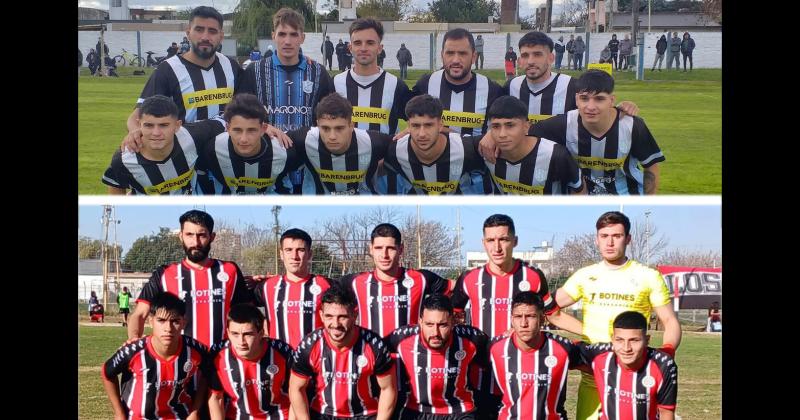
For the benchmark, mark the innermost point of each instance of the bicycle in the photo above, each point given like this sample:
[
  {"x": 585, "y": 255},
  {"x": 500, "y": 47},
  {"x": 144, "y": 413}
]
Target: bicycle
[{"x": 128, "y": 58}]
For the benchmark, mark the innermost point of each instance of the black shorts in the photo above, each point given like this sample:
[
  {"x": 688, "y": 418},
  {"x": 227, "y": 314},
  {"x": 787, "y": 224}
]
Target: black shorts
[
  {"x": 414, "y": 415},
  {"x": 317, "y": 416},
  {"x": 124, "y": 310}
]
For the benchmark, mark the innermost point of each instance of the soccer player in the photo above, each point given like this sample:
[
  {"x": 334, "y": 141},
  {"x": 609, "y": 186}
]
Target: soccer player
[
  {"x": 528, "y": 164},
  {"x": 208, "y": 287},
  {"x": 378, "y": 97},
  {"x": 615, "y": 285},
  {"x": 250, "y": 369},
  {"x": 351, "y": 367},
  {"x": 124, "y": 301},
  {"x": 608, "y": 146},
  {"x": 435, "y": 357},
  {"x": 292, "y": 301},
  {"x": 429, "y": 162},
  {"x": 158, "y": 370}
]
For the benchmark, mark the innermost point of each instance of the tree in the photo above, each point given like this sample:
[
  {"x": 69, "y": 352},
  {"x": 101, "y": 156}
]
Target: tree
[
  {"x": 577, "y": 252},
  {"x": 638, "y": 248},
  {"x": 458, "y": 11},
  {"x": 89, "y": 249},
  {"x": 382, "y": 9},
  {"x": 713, "y": 9},
  {"x": 529, "y": 23},
  {"x": 573, "y": 13},
  {"x": 418, "y": 15},
  {"x": 686, "y": 258},
  {"x": 438, "y": 244},
  {"x": 252, "y": 19},
  {"x": 184, "y": 13},
  {"x": 149, "y": 252}
]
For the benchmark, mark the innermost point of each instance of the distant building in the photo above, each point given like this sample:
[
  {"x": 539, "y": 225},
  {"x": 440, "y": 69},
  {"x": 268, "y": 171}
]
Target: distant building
[{"x": 87, "y": 13}]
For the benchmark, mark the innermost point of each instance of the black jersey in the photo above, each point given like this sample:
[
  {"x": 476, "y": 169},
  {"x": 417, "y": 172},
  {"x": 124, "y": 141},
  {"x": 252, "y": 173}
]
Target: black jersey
[
  {"x": 378, "y": 105},
  {"x": 556, "y": 98},
  {"x": 547, "y": 169}
]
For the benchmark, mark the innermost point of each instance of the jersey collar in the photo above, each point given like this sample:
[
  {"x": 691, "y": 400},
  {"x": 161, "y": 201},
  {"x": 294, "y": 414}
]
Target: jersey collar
[{"x": 300, "y": 65}]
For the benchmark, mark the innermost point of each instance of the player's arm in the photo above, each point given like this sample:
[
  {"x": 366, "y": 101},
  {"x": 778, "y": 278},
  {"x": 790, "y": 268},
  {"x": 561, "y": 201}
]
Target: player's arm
[
  {"x": 651, "y": 179},
  {"x": 116, "y": 191},
  {"x": 297, "y": 396},
  {"x": 215, "y": 406},
  {"x": 459, "y": 298},
  {"x": 672, "y": 327},
  {"x": 665, "y": 414},
  {"x": 134, "y": 135},
  {"x": 628, "y": 107},
  {"x": 199, "y": 398},
  {"x": 139, "y": 315},
  {"x": 565, "y": 321},
  {"x": 388, "y": 396},
  {"x": 112, "y": 390}
]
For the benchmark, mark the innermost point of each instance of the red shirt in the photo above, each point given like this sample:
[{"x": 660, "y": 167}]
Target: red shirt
[{"x": 292, "y": 308}]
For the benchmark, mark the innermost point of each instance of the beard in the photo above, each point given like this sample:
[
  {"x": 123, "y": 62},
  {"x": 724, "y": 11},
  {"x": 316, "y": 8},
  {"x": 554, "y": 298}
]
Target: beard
[
  {"x": 197, "y": 254},
  {"x": 464, "y": 74},
  {"x": 203, "y": 53}
]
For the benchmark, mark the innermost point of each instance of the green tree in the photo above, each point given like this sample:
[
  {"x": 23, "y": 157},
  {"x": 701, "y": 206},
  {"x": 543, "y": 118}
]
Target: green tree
[
  {"x": 90, "y": 249},
  {"x": 458, "y": 11},
  {"x": 149, "y": 252},
  {"x": 382, "y": 9},
  {"x": 252, "y": 19}
]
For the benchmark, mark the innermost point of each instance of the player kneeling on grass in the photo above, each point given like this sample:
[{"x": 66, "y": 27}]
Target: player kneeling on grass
[{"x": 158, "y": 371}]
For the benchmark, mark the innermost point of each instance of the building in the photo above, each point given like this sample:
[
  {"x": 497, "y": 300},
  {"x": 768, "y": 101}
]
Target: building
[
  {"x": 87, "y": 13},
  {"x": 540, "y": 257}
]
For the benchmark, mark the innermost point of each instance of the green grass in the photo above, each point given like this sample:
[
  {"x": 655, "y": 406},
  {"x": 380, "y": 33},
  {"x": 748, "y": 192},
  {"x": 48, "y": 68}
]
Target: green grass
[{"x": 682, "y": 110}]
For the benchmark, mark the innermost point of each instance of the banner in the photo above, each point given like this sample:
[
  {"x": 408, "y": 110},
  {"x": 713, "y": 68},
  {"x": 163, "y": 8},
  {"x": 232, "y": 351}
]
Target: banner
[{"x": 693, "y": 287}]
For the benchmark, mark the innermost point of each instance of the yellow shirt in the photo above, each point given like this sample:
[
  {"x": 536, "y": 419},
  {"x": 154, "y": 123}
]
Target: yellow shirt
[{"x": 605, "y": 293}]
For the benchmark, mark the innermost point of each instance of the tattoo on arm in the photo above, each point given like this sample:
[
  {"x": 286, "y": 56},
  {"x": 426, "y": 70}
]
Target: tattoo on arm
[{"x": 649, "y": 182}]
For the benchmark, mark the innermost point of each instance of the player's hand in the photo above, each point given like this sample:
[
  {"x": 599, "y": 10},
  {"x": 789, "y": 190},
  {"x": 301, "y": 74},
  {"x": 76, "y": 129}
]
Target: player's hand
[
  {"x": 400, "y": 135},
  {"x": 132, "y": 141},
  {"x": 280, "y": 135},
  {"x": 507, "y": 333},
  {"x": 488, "y": 148},
  {"x": 120, "y": 416},
  {"x": 194, "y": 415},
  {"x": 252, "y": 281},
  {"x": 460, "y": 317},
  {"x": 628, "y": 107}
]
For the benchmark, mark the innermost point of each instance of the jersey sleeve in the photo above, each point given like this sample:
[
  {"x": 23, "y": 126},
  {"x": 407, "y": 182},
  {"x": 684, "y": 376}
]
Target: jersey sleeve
[
  {"x": 569, "y": 173},
  {"x": 668, "y": 392},
  {"x": 118, "y": 363},
  {"x": 383, "y": 360},
  {"x": 246, "y": 83},
  {"x": 473, "y": 161},
  {"x": 158, "y": 84},
  {"x": 398, "y": 335},
  {"x": 421, "y": 87},
  {"x": 588, "y": 352},
  {"x": 114, "y": 175},
  {"x": 258, "y": 294},
  {"x": 573, "y": 349},
  {"x": 644, "y": 147},
  {"x": 554, "y": 128},
  {"x": 241, "y": 294},
  {"x": 573, "y": 286},
  {"x": 325, "y": 88},
  {"x": 550, "y": 305},
  {"x": 152, "y": 288},
  {"x": 301, "y": 363},
  {"x": 571, "y": 91},
  {"x": 659, "y": 294},
  {"x": 459, "y": 296},
  {"x": 435, "y": 283},
  {"x": 205, "y": 131},
  {"x": 482, "y": 344},
  {"x": 402, "y": 95}
]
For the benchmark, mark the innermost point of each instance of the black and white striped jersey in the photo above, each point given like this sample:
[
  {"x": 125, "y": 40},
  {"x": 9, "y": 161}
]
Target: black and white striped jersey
[
  {"x": 376, "y": 105},
  {"x": 458, "y": 170},
  {"x": 612, "y": 162},
  {"x": 465, "y": 106},
  {"x": 547, "y": 169},
  {"x": 556, "y": 98},
  {"x": 349, "y": 173},
  {"x": 175, "y": 174},
  {"x": 200, "y": 93}
]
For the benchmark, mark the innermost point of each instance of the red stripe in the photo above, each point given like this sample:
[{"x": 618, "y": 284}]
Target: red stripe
[
  {"x": 202, "y": 307},
  {"x": 230, "y": 289},
  {"x": 165, "y": 391},
  {"x": 252, "y": 389},
  {"x": 294, "y": 312},
  {"x": 135, "y": 366},
  {"x": 556, "y": 373}
]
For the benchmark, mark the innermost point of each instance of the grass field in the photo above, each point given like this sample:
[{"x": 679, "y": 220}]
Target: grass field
[
  {"x": 682, "y": 110},
  {"x": 698, "y": 359}
]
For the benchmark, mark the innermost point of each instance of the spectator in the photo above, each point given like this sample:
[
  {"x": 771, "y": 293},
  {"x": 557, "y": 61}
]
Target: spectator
[
  {"x": 340, "y": 52},
  {"x": 613, "y": 46},
  {"x": 93, "y": 61},
  {"x": 661, "y": 46},
  {"x": 559, "y": 48},
  {"x": 381, "y": 57},
  {"x": 479, "y": 50},
  {"x": 92, "y": 301},
  {"x": 172, "y": 50},
  {"x": 268, "y": 52},
  {"x": 580, "y": 49},
  {"x": 511, "y": 63},
  {"x": 625, "y": 49},
  {"x": 571, "y": 52},
  {"x": 124, "y": 301},
  {"x": 185, "y": 46},
  {"x": 105, "y": 47},
  {"x": 80, "y": 59},
  {"x": 255, "y": 54},
  {"x": 404, "y": 58},
  {"x": 111, "y": 67},
  {"x": 687, "y": 46},
  {"x": 327, "y": 51},
  {"x": 605, "y": 55},
  {"x": 673, "y": 51},
  {"x": 348, "y": 56},
  {"x": 714, "y": 323}
]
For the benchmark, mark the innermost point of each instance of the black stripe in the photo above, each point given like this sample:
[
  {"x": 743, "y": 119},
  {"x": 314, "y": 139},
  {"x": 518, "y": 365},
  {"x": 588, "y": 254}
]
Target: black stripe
[
  {"x": 198, "y": 84},
  {"x": 639, "y": 389},
  {"x": 280, "y": 309},
  {"x": 237, "y": 378},
  {"x": 355, "y": 400},
  {"x": 352, "y": 89},
  {"x": 541, "y": 400},
  {"x": 217, "y": 314},
  {"x": 528, "y": 165},
  {"x": 611, "y": 384},
  {"x": 328, "y": 366},
  {"x": 326, "y": 163},
  {"x": 500, "y": 169},
  {"x": 525, "y": 93},
  {"x": 450, "y": 381},
  {"x": 265, "y": 391},
  {"x": 402, "y": 308},
  {"x": 633, "y": 185},
  {"x": 376, "y": 97},
  {"x": 612, "y": 148},
  {"x": 469, "y": 103},
  {"x": 150, "y": 391},
  {"x": 445, "y": 93},
  {"x": 548, "y": 93},
  {"x": 416, "y": 167},
  {"x": 186, "y": 285},
  {"x": 487, "y": 310},
  {"x": 237, "y": 164},
  {"x": 443, "y": 163},
  {"x": 180, "y": 374},
  {"x": 153, "y": 174},
  {"x": 210, "y": 154},
  {"x": 584, "y": 145},
  {"x": 375, "y": 307},
  {"x": 221, "y": 81},
  {"x": 180, "y": 163},
  {"x": 351, "y": 160},
  {"x": 308, "y": 311},
  {"x": 265, "y": 161},
  {"x": 422, "y": 375},
  {"x": 512, "y": 370}
]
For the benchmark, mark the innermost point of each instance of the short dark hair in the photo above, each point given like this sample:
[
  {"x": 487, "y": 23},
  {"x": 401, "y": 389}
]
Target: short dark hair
[
  {"x": 208, "y": 13},
  {"x": 528, "y": 298},
  {"x": 507, "y": 106},
  {"x": 340, "y": 295},
  {"x": 499, "y": 220},
  {"x": 534, "y": 38},
  {"x": 198, "y": 217},
  {"x": 459, "y": 33},
  {"x": 246, "y": 313},
  {"x": 614, "y": 218},
  {"x": 386, "y": 230},
  {"x": 631, "y": 320},
  {"x": 169, "y": 302},
  {"x": 334, "y": 105},
  {"x": 437, "y": 302},
  {"x": 159, "y": 106},
  {"x": 245, "y": 105},
  {"x": 295, "y": 233},
  {"x": 424, "y": 106},
  {"x": 595, "y": 81},
  {"x": 367, "y": 23}
]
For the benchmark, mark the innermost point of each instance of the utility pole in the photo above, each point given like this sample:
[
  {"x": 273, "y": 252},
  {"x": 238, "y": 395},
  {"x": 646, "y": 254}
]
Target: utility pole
[
  {"x": 635, "y": 24},
  {"x": 104, "y": 252},
  {"x": 458, "y": 233},
  {"x": 419, "y": 239},
  {"x": 549, "y": 17},
  {"x": 117, "y": 269},
  {"x": 276, "y": 229},
  {"x": 647, "y": 237}
]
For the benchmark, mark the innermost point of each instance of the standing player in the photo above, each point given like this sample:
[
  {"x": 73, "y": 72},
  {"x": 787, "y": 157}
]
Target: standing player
[
  {"x": 435, "y": 357},
  {"x": 378, "y": 97},
  {"x": 208, "y": 287},
  {"x": 157, "y": 370},
  {"x": 292, "y": 301},
  {"x": 610, "y": 287},
  {"x": 124, "y": 301},
  {"x": 351, "y": 366},
  {"x": 250, "y": 369}
]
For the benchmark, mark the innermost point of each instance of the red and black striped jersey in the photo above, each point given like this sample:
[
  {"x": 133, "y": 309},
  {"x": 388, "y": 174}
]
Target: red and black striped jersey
[
  {"x": 292, "y": 308},
  {"x": 533, "y": 382},
  {"x": 154, "y": 387},
  {"x": 437, "y": 380},
  {"x": 257, "y": 390},
  {"x": 384, "y": 306},
  {"x": 633, "y": 395},
  {"x": 346, "y": 380},
  {"x": 209, "y": 293}
]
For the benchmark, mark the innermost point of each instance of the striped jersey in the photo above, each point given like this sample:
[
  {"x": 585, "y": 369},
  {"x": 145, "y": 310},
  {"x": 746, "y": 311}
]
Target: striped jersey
[
  {"x": 259, "y": 389},
  {"x": 612, "y": 162},
  {"x": 376, "y": 105},
  {"x": 533, "y": 382},
  {"x": 174, "y": 175},
  {"x": 231, "y": 173},
  {"x": 384, "y": 306},
  {"x": 458, "y": 170},
  {"x": 346, "y": 379},
  {"x": 290, "y": 93},
  {"x": 208, "y": 292},
  {"x": 464, "y": 105},
  {"x": 153, "y": 387},
  {"x": 633, "y": 395},
  {"x": 349, "y": 173},
  {"x": 292, "y": 308},
  {"x": 547, "y": 169},
  {"x": 200, "y": 93},
  {"x": 556, "y": 98}
]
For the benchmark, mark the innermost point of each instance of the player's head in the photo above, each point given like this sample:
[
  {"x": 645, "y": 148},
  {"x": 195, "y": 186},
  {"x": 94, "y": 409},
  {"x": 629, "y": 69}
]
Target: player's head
[
  {"x": 245, "y": 324},
  {"x": 499, "y": 238},
  {"x": 125, "y": 289},
  {"x": 197, "y": 234},
  {"x": 246, "y": 118},
  {"x": 715, "y": 305},
  {"x": 424, "y": 113},
  {"x": 527, "y": 315},
  {"x": 338, "y": 312},
  {"x": 629, "y": 340},
  {"x": 296, "y": 251},
  {"x": 167, "y": 318},
  {"x": 205, "y": 31},
  {"x": 335, "y": 122},
  {"x": 386, "y": 247},
  {"x": 594, "y": 95},
  {"x": 458, "y": 53},
  {"x": 159, "y": 122},
  {"x": 508, "y": 121},
  {"x": 613, "y": 235},
  {"x": 613, "y": 36},
  {"x": 287, "y": 34},
  {"x": 436, "y": 320},
  {"x": 366, "y": 35},
  {"x": 536, "y": 56}
]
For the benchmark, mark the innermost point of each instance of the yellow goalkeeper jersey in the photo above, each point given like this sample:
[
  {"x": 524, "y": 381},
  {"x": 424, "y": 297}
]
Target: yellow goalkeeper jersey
[{"x": 605, "y": 293}]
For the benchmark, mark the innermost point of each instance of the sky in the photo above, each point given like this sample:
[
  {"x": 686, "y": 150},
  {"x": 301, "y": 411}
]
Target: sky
[{"x": 692, "y": 227}]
